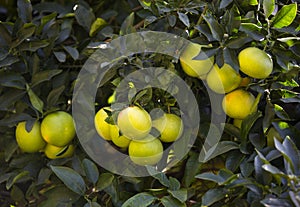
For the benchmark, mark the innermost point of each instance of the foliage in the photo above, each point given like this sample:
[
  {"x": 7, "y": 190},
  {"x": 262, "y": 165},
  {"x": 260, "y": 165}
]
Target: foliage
[{"x": 43, "y": 47}]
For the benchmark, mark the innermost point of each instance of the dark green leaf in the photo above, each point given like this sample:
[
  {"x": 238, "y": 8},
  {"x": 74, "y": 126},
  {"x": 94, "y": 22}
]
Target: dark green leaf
[
  {"x": 72, "y": 51},
  {"x": 25, "y": 32},
  {"x": 272, "y": 169},
  {"x": 218, "y": 149},
  {"x": 215, "y": 28},
  {"x": 61, "y": 56},
  {"x": 253, "y": 30},
  {"x": 36, "y": 102},
  {"x": 127, "y": 26},
  {"x": 105, "y": 180},
  {"x": 15, "y": 178},
  {"x": 43, "y": 76},
  {"x": 84, "y": 16},
  {"x": 230, "y": 58},
  {"x": 10, "y": 96},
  {"x": 184, "y": 19},
  {"x": 70, "y": 178},
  {"x": 280, "y": 112},
  {"x": 269, "y": 6},
  {"x": 8, "y": 61},
  {"x": 149, "y": 20},
  {"x": 13, "y": 80},
  {"x": 180, "y": 195},
  {"x": 33, "y": 45},
  {"x": 275, "y": 202},
  {"x": 174, "y": 184},
  {"x": 225, "y": 3},
  {"x": 169, "y": 201},
  {"x": 140, "y": 200},
  {"x": 161, "y": 177},
  {"x": 192, "y": 167},
  {"x": 97, "y": 25},
  {"x": 172, "y": 20},
  {"x": 211, "y": 177},
  {"x": 91, "y": 170},
  {"x": 5, "y": 37},
  {"x": 285, "y": 16},
  {"x": 92, "y": 204},
  {"x": 236, "y": 43},
  {"x": 17, "y": 194},
  {"x": 206, "y": 53},
  {"x": 54, "y": 95},
  {"x": 25, "y": 10},
  {"x": 212, "y": 196}
]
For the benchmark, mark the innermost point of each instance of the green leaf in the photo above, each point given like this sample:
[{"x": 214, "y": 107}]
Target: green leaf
[
  {"x": 36, "y": 102},
  {"x": 268, "y": 6},
  {"x": 149, "y": 20},
  {"x": 25, "y": 32},
  {"x": 161, "y": 177},
  {"x": 70, "y": 178},
  {"x": 127, "y": 26},
  {"x": 281, "y": 113},
  {"x": 97, "y": 25},
  {"x": 13, "y": 80},
  {"x": 184, "y": 19},
  {"x": 25, "y": 10},
  {"x": 17, "y": 194},
  {"x": 214, "y": 26},
  {"x": 272, "y": 169},
  {"x": 172, "y": 20},
  {"x": 212, "y": 196},
  {"x": 211, "y": 177},
  {"x": 218, "y": 149},
  {"x": 168, "y": 201},
  {"x": 61, "y": 56},
  {"x": 84, "y": 16},
  {"x": 43, "y": 76},
  {"x": 54, "y": 95},
  {"x": 15, "y": 178},
  {"x": 5, "y": 37},
  {"x": 8, "y": 61},
  {"x": 174, "y": 184},
  {"x": 140, "y": 200},
  {"x": 72, "y": 51},
  {"x": 275, "y": 202},
  {"x": 225, "y": 3},
  {"x": 105, "y": 180},
  {"x": 92, "y": 204},
  {"x": 285, "y": 16},
  {"x": 192, "y": 167},
  {"x": 180, "y": 195},
  {"x": 91, "y": 170},
  {"x": 33, "y": 46},
  {"x": 253, "y": 30}
]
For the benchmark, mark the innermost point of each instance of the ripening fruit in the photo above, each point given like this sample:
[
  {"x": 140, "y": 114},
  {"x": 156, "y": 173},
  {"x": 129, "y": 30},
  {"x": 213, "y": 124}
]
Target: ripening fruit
[
  {"x": 170, "y": 127},
  {"x": 104, "y": 129},
  {"x": 121, "y": 141},
  {"x": 223, "y": 80},
  {"x": 134, "y": 122},
  {"x": 255, "y": 62},
  {"x": 58, "y": 128},
  {"x": 238, "y": 104},
  {"x": 195, "y": 68},
  {"x": 147, "y": 151},
  {"x": 31, "y": 141},
  {"x": 54, "y": 152}
]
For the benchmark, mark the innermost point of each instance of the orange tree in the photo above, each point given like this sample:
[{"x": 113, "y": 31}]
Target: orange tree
[{"x": 44, "y": 45}]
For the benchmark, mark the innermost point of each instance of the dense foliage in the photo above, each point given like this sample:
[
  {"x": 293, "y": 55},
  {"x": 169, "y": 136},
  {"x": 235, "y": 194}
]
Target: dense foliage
[{"x": 43, "y": 46}]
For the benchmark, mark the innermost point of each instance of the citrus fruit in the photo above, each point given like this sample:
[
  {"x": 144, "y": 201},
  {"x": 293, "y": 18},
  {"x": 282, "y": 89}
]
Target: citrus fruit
[
  {"x": 238, "y": 104},
  {"x": 103, "y": 128},
  {"x": 30, "y": 141},
  {"x": 271, "y": 135},
  {"x": 121, "y": 141},
  {"x": 255, "y": 62},
  {"x": 145, "y": 152},
  {"x": 54, "y": 152},
  {"x": 58, "y": 128},
  {"x": 134, "y": 122},
  {"x": 223, "y": 80},
  {"x": 170, "y": 127},
  {"x": 195, "y": 68}
]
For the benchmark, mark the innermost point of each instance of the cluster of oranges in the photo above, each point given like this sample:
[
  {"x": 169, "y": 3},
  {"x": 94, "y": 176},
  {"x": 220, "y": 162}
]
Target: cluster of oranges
[
  {"x": 53, "y": 135},
  {"x": 237, "y": 103},
  {"x": 132, "y": 132}
]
